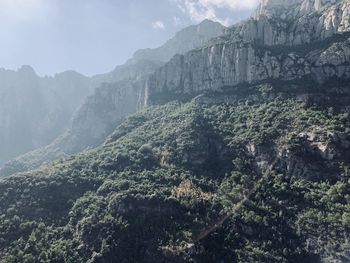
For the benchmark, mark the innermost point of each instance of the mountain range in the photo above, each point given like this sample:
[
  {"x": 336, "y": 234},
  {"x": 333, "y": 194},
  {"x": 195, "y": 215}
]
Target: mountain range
[
  {"x": 73, "y": 120},
  {"x": 234, "y": 147}
]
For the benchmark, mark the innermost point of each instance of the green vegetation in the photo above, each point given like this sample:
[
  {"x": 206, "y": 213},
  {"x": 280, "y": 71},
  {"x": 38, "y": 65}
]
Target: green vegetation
[{"x": 171, "y": 172}]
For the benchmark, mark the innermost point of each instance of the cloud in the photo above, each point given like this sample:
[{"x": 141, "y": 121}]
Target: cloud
[
  {"x": 158, "y": 25},
  {"x": 198, "y": 10}
]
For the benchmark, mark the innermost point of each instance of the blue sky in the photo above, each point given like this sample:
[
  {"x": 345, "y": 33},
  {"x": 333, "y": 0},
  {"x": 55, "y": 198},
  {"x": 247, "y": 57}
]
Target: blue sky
[{"x": 93, "y": 36}]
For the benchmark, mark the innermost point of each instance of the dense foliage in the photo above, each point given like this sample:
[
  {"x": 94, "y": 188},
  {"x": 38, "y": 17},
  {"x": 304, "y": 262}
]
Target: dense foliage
[{"x": 170, "y": 173}]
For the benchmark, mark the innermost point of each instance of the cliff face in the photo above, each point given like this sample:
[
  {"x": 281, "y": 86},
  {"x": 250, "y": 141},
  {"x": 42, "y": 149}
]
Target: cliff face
[
  {"x": 270, "y": 46},
  {"x": 296, "y": 22},
  {"x": 230, "y": 64}
]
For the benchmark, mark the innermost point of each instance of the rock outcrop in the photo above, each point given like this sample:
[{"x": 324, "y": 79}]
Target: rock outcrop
[
  {"x": 295, "y": 22},
  {"x": 300, "y": 44},
  {"x": 231, "y": 64}
]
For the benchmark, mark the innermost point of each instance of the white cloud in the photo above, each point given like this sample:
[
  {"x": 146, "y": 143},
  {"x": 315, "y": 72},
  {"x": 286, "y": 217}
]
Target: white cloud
[
  {"x": 198, "y": 10},
  {"x": 158, "y": 25}
]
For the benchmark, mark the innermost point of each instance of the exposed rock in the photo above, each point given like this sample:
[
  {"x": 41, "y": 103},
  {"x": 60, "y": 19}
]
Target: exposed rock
[
  {"x": 231, "y": 64},
  {"x": 295, "y": 22}
]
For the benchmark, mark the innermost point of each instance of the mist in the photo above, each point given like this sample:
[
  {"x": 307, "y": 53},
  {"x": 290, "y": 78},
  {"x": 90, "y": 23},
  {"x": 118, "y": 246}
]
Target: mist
[{"x": 89, "y": 36}]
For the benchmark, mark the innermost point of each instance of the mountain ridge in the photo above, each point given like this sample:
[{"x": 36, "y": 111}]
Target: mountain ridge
[
  {"x": 251, "y": 44},
  {"x": 261, "y": 167},
  {"x": 118, "y": 95}
]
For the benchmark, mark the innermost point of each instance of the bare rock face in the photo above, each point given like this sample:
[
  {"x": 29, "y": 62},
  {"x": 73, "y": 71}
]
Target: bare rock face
[
  {"x": 221, "y": 65},
  {"x": 300, "y": 44},
  {"x": 295, "y": 22},
  {"x": 288, "y": 9}
]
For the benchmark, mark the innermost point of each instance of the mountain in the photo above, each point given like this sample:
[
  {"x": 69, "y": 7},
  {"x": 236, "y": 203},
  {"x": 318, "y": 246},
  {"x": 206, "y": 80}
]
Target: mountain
[
  {"x": 185, "y": 40},
  {"x": 265, "y": 48},
  {"x": 117, "y": 97},
  {"x": 34, "y": 110},
  {"x": 239, "y": 152},
  {"x": 265, "y": 179}
]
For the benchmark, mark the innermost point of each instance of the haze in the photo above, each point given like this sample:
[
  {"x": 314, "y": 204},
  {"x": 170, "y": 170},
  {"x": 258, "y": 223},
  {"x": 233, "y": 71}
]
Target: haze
[{"x": 93, "y": 36}]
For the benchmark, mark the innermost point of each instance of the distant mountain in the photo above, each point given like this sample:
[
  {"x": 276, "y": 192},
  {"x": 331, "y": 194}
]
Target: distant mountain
[
  {"x": 144, "y": 61},
  {"x": 185, "y": 40},
  {"x": 34, "y": 110},
  {"x": 114, "y": 100}
]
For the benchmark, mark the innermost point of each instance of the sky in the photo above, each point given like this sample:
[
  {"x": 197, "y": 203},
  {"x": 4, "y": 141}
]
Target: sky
[{"x": 93, "y": 36}]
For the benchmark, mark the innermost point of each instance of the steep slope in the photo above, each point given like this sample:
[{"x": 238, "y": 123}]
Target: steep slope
[
  {"x": 36, "y": 110},
  {"x": 114, "y": 100},
  {"x": 270, "y": 46},
  {"x": 164, "y": 185},
  {"x": 232, "y": 158}
]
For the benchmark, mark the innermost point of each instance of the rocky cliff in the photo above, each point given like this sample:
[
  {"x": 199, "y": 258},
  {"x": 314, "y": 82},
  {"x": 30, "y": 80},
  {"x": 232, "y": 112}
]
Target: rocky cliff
[
  {"x": 295, "y": 22},
  {"x": 282, "y": 41}
]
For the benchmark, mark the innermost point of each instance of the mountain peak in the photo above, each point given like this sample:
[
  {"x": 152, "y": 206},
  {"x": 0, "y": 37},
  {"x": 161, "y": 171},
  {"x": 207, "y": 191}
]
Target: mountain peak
[{"x": 208, "y": 22}]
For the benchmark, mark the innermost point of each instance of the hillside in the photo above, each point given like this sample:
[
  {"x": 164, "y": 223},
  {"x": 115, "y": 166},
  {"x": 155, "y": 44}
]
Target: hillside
[
  {"x": 236, "y": 151},
  {"x": 169, "y": 173}
]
